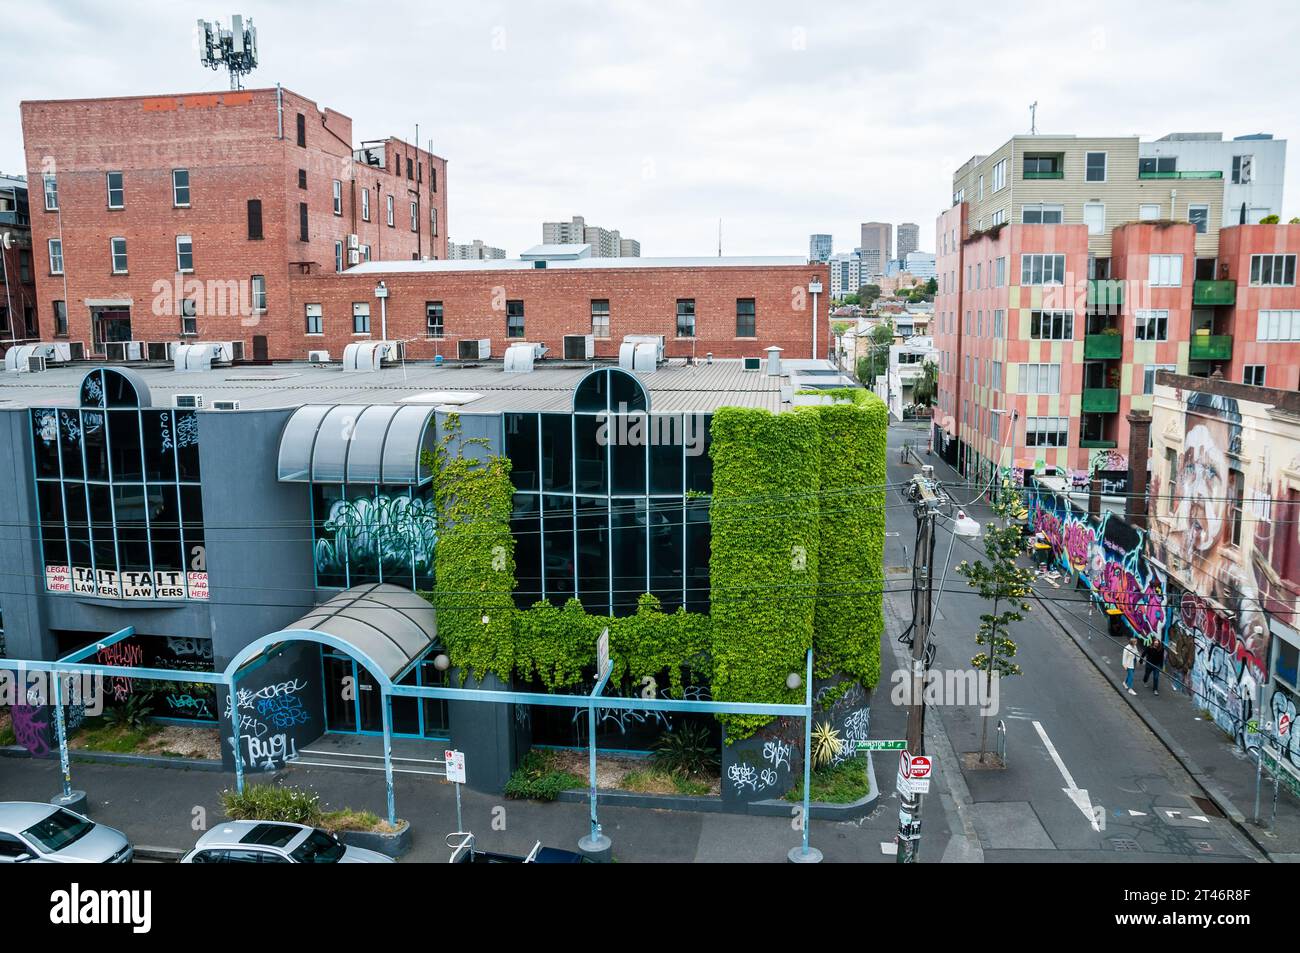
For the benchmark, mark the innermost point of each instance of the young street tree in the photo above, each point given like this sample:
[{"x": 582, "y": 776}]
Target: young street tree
[{"x": 1004, "y": 584}]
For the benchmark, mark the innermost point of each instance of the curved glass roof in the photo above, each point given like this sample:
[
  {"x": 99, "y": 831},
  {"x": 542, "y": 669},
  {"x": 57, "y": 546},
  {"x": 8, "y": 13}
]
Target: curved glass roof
[
  {"x": 356, "y": 443},
  {"x": 390, "y": 625}
]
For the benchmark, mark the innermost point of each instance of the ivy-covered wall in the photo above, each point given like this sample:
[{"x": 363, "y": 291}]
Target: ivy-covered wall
[{"x": 797, "y": 518}]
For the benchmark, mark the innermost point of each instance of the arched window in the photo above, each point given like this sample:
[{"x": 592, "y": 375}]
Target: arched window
[{"x": 610, "y": 389}]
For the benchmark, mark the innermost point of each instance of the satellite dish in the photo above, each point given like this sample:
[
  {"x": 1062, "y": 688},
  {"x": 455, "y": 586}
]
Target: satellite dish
[{"x": 6, "y": 240}]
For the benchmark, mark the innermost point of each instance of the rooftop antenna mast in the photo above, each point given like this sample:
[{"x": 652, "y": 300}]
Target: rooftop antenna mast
[
  {"x": 235, "y": 49},
  {"x": 719, "y": 238},
  {"x": 1033, "y": 118}
]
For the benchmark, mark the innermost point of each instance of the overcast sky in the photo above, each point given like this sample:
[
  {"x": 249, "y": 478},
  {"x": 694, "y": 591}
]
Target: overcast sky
[{"x": 660, "y": 118}]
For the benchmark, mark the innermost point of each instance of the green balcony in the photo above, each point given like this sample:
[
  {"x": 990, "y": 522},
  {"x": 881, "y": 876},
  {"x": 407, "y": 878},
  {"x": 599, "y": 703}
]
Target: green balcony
[
  {"x": 1208, "y": 174},
  {"x": 1100, "y": 400},
  {"x": 1210, "y": 347},
  {"x": 1098, "y": 444},
  {"x": 1031, "y": 176},
  {"x": 1103, "y": 347},
  {"x": 1214, "y": 292},
  {"x": 1105, "y": 295}
]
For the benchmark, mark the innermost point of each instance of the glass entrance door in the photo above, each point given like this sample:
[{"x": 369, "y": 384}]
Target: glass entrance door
[
  {"x": 111, "y": 325},
  {"x": 354, "y": 703}
]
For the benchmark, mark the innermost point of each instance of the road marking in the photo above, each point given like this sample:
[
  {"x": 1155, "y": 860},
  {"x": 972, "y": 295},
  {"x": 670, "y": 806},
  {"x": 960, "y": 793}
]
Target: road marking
[{"x": 1078, "y": 795}]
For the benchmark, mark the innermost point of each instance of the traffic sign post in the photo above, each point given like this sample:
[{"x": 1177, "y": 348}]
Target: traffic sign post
[
  {"x": 596, "y": 845},
  {"x": 455, "y": 765}
]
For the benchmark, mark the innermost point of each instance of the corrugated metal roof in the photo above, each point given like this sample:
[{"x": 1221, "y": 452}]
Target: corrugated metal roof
[{"x": 675, "y": 387}]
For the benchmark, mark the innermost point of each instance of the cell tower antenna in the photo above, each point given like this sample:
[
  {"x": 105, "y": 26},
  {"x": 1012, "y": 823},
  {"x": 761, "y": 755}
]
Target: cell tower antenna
[
  {"x": 1033, "y": 118},
  {"x": 235, "y": 49}
]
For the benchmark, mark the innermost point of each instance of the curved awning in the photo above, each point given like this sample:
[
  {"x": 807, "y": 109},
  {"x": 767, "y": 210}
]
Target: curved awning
[
  {"x": 356, "y": 443},
  {"x": 384, "y": 627}
]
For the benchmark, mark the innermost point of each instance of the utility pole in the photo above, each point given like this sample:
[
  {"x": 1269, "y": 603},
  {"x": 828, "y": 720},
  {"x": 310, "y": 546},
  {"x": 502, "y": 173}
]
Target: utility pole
[{"x": 909, "y": 811}]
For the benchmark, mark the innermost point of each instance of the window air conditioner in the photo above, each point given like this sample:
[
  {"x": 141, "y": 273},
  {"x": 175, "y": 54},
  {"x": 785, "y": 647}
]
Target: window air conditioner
[{"x": 187, "y": 401}]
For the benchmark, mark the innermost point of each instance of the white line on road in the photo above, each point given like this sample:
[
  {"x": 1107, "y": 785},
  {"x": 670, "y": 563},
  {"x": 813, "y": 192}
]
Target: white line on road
[{"x": 1094, "y": 814}]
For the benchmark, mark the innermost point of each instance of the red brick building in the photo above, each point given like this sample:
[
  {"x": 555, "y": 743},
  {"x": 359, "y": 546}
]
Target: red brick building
[
  {"x": 18, "y": 311},
  {"x": 730, "y": 307},
  {"x": 160, "y": 218}
]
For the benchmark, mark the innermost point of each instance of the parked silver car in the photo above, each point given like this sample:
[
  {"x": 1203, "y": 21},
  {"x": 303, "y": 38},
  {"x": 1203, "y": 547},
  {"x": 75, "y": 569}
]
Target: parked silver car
[
  {"x": 276, "y": 842},
  {"x": 32, "y": 832}
]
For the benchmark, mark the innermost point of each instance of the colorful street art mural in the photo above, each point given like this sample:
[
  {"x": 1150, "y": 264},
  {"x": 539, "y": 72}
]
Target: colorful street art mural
[
  {"x": 374, "y": 536},
  {"x": 1109, "y": 558},
  {"x": 1224, "y": 510}
]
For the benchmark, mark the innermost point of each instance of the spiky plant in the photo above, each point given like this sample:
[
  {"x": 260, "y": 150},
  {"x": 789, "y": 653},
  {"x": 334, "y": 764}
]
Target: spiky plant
[{"x": 826, "y": 744}]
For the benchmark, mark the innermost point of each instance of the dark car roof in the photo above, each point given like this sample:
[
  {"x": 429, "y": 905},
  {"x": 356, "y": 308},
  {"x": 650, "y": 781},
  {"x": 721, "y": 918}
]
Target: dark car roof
[{"x": 271, "y": 835}]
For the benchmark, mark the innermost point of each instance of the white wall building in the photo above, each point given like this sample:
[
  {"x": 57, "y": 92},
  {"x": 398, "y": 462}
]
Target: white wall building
[
  {"x": 1253, "y": 168},
  {"x": 906, "y": 366},
  {"x": 846, "y": 275}
]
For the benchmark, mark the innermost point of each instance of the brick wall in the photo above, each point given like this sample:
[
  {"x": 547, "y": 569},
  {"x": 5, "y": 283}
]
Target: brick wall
[
  {"x": 229, "y": 142},
  {"x": 557, "y": 301}
]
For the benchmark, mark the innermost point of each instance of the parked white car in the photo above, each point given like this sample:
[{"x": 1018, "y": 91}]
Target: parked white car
[
  {"x": 276, "y": 842},
  {"x": 32, "y": 832}
]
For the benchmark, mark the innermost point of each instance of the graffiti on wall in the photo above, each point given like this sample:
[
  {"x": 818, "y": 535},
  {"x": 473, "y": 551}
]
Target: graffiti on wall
[
  {"x": 1228, "y": 674},
  {"x": 267, "y": 717},
  {"x": 1110, "y": 559},
  {"x": 123, "y": 655},
  {"x": 389, "y": 535}
]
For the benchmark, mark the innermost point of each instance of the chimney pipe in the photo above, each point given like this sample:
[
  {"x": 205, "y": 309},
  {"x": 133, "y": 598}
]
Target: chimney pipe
[
  {"x": 773, "y": 361},
  {"x": 1139, "y": 450}
]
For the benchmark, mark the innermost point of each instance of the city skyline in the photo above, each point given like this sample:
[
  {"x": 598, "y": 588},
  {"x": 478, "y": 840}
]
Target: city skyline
[{"x": 661, "y": 175}]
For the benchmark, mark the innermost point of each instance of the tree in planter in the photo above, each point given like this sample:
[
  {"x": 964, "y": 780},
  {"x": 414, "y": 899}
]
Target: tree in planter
[{"x": 1005, "y": 584}]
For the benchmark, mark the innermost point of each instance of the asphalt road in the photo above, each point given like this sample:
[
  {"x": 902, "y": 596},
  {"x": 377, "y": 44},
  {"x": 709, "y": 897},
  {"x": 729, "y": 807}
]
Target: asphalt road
[{"x": 1066, "y": 728}]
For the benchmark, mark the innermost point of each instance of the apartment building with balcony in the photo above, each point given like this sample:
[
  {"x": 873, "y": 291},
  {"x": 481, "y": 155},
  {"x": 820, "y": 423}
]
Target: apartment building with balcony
[
  {"x": 1070, "y": 271},
  {"x": 18, "y": 313}
]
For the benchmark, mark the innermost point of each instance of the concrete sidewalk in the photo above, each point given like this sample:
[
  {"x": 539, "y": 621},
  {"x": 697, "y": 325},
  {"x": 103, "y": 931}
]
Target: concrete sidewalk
[{"x": 169, "y": 808}]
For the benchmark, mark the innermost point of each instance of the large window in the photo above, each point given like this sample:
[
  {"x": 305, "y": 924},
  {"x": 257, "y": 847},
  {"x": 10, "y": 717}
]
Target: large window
[
  {"x": 1149, "y": 376},
  {"x": 1051, "y": 325},
  {"x": 315, "y": 319},
  {"x": 745, "y": 320},
  {"x": 1042, "y": 269},
  {"x": 51, "y": 184},
  {"x": 600, "y": 317},
  {"x": 1042, "y": 214},
  {"x": 1040, "y": 378},
  {"x": 1272, "y": 269},
  {"x": 1199, "y": 215},
  {"x": 1047, "y": 431},
  {"x": 601, "y": 501},
  {"x": 1094, "y": 216},
  {"x": 999, "y": 175},
  {"x": 117, "y": 254},
  {"x": 184, "y": 253},
  {"x": 686, "y": 317},
  {"x": 118, "y": 495},
  {"x": 369, "y": 533},
  {"x": 1278, "y": 326},
  {"x": 337, "y": 187},
  {"x": 181, "y": 188},
  {"x": 361, "y": 317},
  {"x": 1095, "y": 167},
  {"x": 116, "y": 190},
  {"x": 1151, "y": 325},
  {"x": 56, "y": 256},
  {"x": 433, "y": 318},
  {"x": 1166, "y": 271},
  {"x": 514, "y": 319}
]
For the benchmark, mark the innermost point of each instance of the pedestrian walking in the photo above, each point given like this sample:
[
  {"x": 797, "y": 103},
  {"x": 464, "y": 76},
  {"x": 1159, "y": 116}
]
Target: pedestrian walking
[
  {"x": 1155, "y": 663},
  {"x": 1131, "y": 656}
]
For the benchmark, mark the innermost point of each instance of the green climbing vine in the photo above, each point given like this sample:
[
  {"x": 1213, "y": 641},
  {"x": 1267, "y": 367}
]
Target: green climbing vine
[{"x": 797, "y": 522}]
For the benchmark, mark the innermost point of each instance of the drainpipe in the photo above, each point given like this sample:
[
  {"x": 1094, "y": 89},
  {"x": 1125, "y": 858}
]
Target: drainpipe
[
  {"x": 279, "y": 112},
  {"x": 814, "y": 286}
]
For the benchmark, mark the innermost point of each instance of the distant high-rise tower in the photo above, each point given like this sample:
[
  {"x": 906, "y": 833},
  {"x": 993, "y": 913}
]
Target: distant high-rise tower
[
  {"x": 819, "y": 247},
  {"x": 877, "y": 248},
  {"x": 909, "y": 239}
]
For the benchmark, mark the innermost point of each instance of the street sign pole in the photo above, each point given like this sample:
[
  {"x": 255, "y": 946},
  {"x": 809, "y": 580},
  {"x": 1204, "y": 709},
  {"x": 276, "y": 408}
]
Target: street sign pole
[
  {"x": 909, "y": 811},
  {"x": 596, "y": 844}
]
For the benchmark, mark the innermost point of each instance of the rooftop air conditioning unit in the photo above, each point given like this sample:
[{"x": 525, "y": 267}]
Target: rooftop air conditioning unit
[
  {"x": 318, "y": 357},
  {"x": 125, "y": 350},
  {"x": 579, "y": 347},
  {"x": 474, "y": 349},
  {"x": 187, "y": 401},
  {"x": 35, "y": 364},
  {"x": 225, "y": 405},
  {"x": 159, "y": 350},
  {"x": 76, "y": 350},
  {"x": 354, "y": 242},
  {"x": 520, "y": 356}
]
